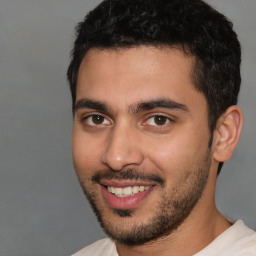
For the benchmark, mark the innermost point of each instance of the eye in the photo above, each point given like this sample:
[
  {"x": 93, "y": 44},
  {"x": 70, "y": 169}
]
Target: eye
[
  {"x": 157, "y": 120},
  {"x": 94, "y": 120}
]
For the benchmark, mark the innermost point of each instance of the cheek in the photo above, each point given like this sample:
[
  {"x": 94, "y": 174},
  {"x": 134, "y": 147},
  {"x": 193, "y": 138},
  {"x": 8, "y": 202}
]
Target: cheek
[
  {"x": 168, "y": 158},
  {"x": 177, "y": 154},
  {"x": 85, "y": 153}
]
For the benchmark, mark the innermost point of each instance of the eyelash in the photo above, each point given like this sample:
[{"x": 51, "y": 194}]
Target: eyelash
[
  {"x": 88, "y": 121},
  {"x": 85, "y": 119},
  {"x": 166, "y": 120}
]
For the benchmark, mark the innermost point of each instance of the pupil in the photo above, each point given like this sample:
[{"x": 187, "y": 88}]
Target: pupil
[
  {"x": 160, "y": 120},
  {"x": 97, "y": 119}
]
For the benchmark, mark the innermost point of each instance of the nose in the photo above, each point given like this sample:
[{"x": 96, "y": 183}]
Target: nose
[{"x": 122, "y": 148}]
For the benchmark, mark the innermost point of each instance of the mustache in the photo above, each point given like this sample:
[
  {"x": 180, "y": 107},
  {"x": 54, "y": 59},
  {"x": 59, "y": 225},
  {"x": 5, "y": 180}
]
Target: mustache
[{"x": 127, "y": 174}]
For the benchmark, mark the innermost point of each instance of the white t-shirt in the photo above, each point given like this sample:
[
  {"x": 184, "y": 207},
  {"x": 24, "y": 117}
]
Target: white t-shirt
[{"x": 238, "y": 240}]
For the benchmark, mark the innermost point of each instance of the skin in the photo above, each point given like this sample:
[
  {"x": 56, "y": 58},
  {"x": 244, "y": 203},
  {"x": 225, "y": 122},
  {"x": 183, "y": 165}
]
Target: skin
[{"x": 123, "y": 138}]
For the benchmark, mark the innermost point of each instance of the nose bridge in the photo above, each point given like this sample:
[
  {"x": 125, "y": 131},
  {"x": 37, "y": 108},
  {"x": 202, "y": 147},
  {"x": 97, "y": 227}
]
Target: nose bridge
[{"x": 122, "y": 147}]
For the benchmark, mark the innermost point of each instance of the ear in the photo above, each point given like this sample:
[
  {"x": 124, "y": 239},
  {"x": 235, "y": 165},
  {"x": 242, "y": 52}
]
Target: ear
[{"x": 227, "y": 133}]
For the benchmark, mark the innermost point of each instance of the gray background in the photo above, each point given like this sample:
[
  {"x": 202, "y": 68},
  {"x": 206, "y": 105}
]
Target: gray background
[{"x": 42, "y": 209}]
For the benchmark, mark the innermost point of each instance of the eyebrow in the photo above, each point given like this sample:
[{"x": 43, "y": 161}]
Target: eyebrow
[
  {"x": 134, "y": 109},
  {"x": 158, "y": 103},
  {"x": 93, "y": 104}
]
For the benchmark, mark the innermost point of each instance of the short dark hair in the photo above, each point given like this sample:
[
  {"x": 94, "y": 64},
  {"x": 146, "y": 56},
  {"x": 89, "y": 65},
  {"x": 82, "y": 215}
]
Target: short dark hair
[{"x": 192, "y": 25}]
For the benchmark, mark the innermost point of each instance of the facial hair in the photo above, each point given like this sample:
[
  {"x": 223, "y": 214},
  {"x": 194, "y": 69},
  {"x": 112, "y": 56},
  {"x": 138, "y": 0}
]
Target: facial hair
[{"x": 173, "y": 207}]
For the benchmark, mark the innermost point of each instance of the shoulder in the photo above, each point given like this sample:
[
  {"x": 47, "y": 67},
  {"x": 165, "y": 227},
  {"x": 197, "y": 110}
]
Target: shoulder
[
  {"x": 104, "y": 247},
  {"x": 238, "y": 240},
  {"x": 246, "y": 243}
]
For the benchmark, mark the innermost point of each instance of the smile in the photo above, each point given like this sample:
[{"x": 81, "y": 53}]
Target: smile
[
  {"x": 124, "y": 194},
  {"x": 126, "y": 191}
]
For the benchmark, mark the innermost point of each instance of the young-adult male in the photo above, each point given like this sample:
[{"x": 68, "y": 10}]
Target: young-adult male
[{"x": 154, "y": 86}]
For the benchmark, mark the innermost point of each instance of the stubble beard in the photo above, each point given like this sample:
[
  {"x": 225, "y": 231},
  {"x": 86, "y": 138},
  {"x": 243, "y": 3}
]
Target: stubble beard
[{"x": 172, "y": 210}]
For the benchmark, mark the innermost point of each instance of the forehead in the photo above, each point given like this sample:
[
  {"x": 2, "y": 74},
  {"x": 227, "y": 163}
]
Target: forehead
[{"x": 123, "y": 76}]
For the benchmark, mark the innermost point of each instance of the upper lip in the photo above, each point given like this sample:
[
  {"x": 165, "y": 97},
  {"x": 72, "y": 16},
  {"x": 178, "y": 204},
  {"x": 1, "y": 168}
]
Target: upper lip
[{"x": 124, "y": 183}]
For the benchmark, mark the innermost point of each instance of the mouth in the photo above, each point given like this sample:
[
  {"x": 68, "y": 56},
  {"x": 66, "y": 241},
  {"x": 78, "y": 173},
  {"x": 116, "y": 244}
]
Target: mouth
[
  {"x": 127, "y": 191},
  {"x": 125, "y": 194}
]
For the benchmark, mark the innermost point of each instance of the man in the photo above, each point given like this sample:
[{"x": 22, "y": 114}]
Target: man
[{"x": 154, "y": 85}]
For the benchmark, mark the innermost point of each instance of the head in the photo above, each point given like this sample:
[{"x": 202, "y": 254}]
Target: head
[
  {"x": 123, "y": 32},
  {"x": 193, "y": 26}
]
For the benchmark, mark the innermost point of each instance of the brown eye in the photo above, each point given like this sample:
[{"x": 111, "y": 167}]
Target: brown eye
[
  {"x": 97, "y": 119},
  {"x": 160, "y": 120}
]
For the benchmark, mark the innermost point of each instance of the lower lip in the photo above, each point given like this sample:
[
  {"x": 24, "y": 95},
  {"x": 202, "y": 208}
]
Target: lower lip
[{"x": 128, "y": 202}]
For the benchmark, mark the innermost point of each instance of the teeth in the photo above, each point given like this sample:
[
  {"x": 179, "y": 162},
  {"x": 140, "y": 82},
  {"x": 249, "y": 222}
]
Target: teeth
[
  {"x": 119, "y": 191},
  {"x": 127, "y": 191},
  {"x": 136, "y": 189}
]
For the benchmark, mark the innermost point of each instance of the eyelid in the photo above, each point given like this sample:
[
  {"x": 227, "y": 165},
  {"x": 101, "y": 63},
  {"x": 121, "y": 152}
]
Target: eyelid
[
  {"x": 169, "y": 119},
  {"x": 85, "y": 117}
]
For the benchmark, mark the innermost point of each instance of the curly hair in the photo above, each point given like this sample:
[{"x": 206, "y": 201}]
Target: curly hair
[{"x": 192, "y": 25}]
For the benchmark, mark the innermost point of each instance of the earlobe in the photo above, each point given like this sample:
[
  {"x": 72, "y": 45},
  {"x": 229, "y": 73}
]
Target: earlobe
[{"x": 227, "y": 133}]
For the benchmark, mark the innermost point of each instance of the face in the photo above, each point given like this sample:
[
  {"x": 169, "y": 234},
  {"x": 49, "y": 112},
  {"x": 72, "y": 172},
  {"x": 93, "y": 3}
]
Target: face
[{"x": 140, "y": 141}]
